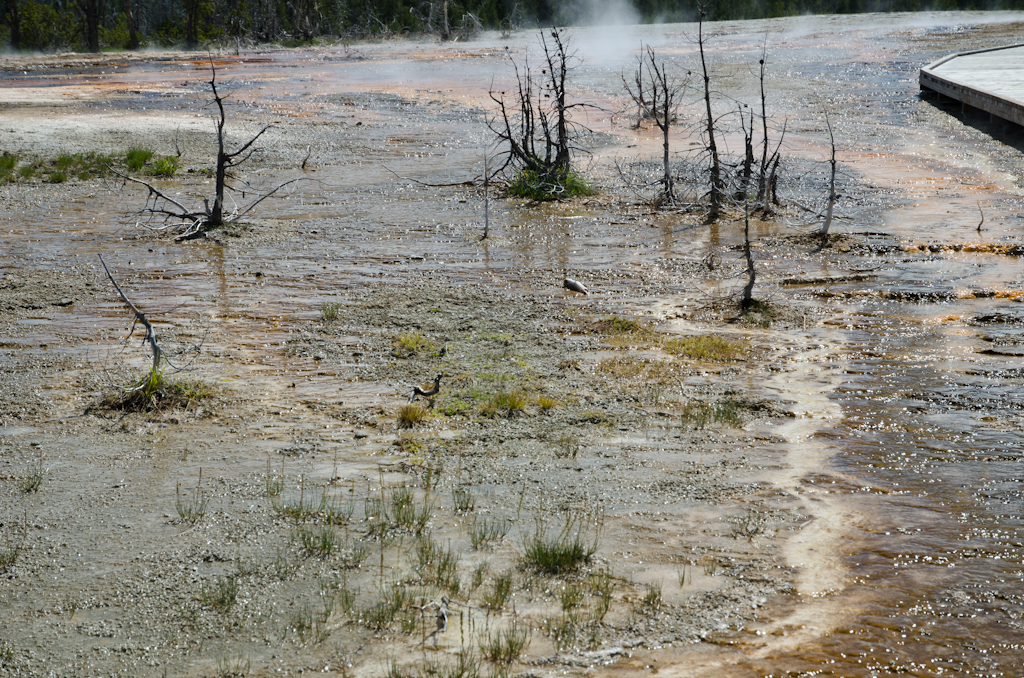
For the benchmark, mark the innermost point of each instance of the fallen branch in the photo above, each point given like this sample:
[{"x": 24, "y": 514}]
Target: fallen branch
[{"x": 471, "y": 182}]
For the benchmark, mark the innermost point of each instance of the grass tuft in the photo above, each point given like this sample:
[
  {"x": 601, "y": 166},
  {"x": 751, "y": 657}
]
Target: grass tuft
[
  {"x": 412, "y": 414},
  {"x": 614, "y": 324},
  {"x": 318, "y": 541},
  {"x": 192, "y": 508},
  {"x": 482, "y": 531},
  {"x": 562, "y": 553},
  {"x": 507, "y": 405},
  {"x": 546, "y": 403},
  {"x": 505, "y": 646},
  {"x": 463, "y": 500},
  {"x": 329, "y": 310},
  {"x": 10, "y": 552},
  {"x": 706, "y": 348},
  {"x": 156, "y": 392},
  {"x": 222, "y": 595},
  {"x": 501, "y": 591},
  {"x": 165, "y": 167},
  {"x": 34, "y": 480},
  {"x": 700, "y": 414},
  {"x": 136, "y": 158},
  {"x": 531, "y": 185},
  {"x": 409, "y": 344}
]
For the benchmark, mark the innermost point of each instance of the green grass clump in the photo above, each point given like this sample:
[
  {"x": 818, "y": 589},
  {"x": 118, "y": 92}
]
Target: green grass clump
[
  {"x": 505, "y": 646},
  {"x": 391, "y": 599},
  {"x": 546, "y": 403},
  {"x": 64, "y": 161},
  {"x": 438, "y": 566},
  {"x": 614, "y": 325},
  {"x": 8, "y": 162},
  {"x": 699, "y": 414},
  {"x": 483, "y": 531},
  {"x": 57, "y": 170},
  {"x": 507, "y": 404},
  {"x": 651, "y": 602},
  {"x": 412, "y": 414},
  {"x": 322, "y": 541},
  {"x": 222, "y": 595},
  {"x": 397, "y": 509},
  {"x": 706, "y": 348},
  {"x": 10, "y": 553},
  {"x": 154, "y": 391},
  {"x": 463, "y": 500},
  {"x": 329, "y": 310},
  {"x": 562, "y": 553},
  {"x": 34, "y": 480},
  {"x": 409, "y": 344},
  {"x": 165, "y": 167},
  {"x": 192, "y": 508},
  {"x": 136, "y": 158},
  {"x": 501, "y": 591},
  {"x": 554, "y": 186}
]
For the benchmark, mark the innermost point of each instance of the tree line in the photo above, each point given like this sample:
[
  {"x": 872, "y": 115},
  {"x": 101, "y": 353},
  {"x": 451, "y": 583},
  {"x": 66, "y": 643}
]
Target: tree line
[{"x": 97, "y": 25}]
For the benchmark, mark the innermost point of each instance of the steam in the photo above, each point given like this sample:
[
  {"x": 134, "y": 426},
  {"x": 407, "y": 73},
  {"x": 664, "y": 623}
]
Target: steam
[
  {"x": 612, "y": 32},
  {"x": 598, "y": 13}
]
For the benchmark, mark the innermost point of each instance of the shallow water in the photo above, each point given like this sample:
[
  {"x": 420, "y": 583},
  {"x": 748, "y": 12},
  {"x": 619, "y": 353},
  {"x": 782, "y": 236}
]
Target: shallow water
[{"x": 907, "y": 445}]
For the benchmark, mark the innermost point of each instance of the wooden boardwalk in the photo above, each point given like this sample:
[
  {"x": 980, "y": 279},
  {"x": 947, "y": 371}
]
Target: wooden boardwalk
[{"x": 991, "y": 80}]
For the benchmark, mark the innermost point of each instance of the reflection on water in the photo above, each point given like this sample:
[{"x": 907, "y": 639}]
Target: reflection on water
[{"x": 907, "y": 449}]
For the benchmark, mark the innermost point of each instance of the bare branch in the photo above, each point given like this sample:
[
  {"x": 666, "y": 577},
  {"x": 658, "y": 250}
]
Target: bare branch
[
  {"x": 139, "y": 317},
  {"x": 470, "y": 182}
]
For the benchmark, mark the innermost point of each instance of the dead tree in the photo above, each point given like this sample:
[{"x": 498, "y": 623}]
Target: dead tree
[
  {"x": 717, "y": 193},
  {"x": 194, "y": 222},
  {"x": 139, "y": 317},
  {"x": 767, "y": 177},
  {"x": 747, "y": 172},
  {"x": 656, "y": 96},
  {"x": 146, "y": 390},
  {"x": 748, "y": 290},
  {"x": 538, "y": 132},
  {"x": 823, "y": 233}
]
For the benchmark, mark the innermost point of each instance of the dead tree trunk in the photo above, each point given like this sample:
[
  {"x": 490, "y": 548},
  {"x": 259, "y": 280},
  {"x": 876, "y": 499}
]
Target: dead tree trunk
[
  {"x": 656, "y": 96},
  {"x": 762, "y": 179},
  {"x": 748, "y": 156},
  {"x": 717, "y": 182},
  {"x": 487, "y": 200},
  {"x": 748, "y": 289},
  {"x": 831, "y": 185}
]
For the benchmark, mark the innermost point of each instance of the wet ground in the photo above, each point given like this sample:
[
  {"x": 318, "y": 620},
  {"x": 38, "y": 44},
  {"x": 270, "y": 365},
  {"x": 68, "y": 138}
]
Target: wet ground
[{"x": 860, "y": 518}]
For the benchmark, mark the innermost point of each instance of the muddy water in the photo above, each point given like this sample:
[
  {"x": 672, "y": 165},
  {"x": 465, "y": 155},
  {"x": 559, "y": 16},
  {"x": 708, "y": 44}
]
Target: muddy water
[{"x": 905, "y": 449}]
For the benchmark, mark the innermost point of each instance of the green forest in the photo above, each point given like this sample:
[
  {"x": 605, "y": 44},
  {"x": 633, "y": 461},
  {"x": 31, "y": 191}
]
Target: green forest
[{"x": 113, "y": 25}]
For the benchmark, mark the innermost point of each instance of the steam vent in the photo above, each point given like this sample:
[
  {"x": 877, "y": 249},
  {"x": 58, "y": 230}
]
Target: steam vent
[{"x": 990, "y": 80}]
